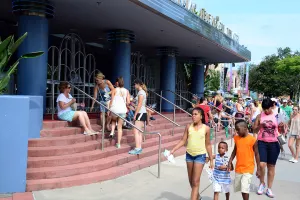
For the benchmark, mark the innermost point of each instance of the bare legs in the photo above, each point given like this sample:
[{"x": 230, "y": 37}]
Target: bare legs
[
  {"x": 291, "y": 146},
  {"x": 84, "y": 120},
  {"x": 194, "y": 173},
  {"x": 137, "y": 134},
  {"x": 271, "y": 173},
  {"x": 216, "y": 196},
  {"x": 120, "y": 130}
]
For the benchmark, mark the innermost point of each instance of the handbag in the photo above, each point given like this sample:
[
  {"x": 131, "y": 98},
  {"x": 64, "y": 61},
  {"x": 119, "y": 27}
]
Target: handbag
[
  {"x": 74, "y": 106},
  {"x": 281, "y": 139}
]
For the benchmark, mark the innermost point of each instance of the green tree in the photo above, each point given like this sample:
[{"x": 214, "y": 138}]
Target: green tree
[{"x": 212, "y": 81}]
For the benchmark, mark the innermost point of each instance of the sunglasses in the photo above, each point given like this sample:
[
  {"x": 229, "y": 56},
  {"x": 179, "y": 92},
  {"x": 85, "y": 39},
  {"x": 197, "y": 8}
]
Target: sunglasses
[{"x": 68, "y": 87}]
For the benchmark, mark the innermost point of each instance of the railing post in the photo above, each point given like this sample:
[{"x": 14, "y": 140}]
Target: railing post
[
  {"x": 160, "y": 101},
  {"x": 103, "y": 128},
  {"x": 159, "y": 154},
  {"x": 173, "y": 120}
]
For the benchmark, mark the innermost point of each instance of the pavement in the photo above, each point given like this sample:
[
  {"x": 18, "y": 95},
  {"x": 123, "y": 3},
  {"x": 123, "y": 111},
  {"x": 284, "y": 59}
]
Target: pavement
[{"x": 173, "y": 185}]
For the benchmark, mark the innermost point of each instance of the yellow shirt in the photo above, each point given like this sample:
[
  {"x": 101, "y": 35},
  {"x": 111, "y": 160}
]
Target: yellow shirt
[{"x": 196, "y": 141}]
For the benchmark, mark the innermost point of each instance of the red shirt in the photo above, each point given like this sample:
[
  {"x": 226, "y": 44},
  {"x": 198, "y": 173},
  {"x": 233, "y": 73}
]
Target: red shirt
[{"x": 206, "y": 109}]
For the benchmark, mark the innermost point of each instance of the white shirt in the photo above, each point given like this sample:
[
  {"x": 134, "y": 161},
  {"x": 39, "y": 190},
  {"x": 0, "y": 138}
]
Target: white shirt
[
  {"x": 143, "y": 107},
  {"x": 64, "y": 99}
]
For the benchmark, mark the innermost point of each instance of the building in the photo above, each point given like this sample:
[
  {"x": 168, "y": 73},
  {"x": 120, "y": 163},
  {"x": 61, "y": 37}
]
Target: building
[{"x": 146, "y": 39}]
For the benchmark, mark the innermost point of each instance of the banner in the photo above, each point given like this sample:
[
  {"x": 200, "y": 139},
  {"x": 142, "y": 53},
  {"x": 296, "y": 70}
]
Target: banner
[{"x": 230, "y": 77}]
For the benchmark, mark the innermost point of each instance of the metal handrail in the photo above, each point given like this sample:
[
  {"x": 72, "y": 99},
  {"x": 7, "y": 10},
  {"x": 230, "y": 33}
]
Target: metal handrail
[
  {"x": 162, "y": 115},
  {"x": 144, "y": 132},
  {"x": 179, "y": 96},
  {"x": 170, "y": 102}
]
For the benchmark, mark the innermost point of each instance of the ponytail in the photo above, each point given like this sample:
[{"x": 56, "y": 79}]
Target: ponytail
[{"x": 144, "y": 87}]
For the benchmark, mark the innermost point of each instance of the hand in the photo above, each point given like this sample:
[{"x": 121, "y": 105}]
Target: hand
[
  {"x": 258, "y": 172},
  {"x": 229, "y": 167},
  {"x": 172, "y": 152},
  {"x": 73, "y": 100},
  {"x": 134, "y": 117},
  {"x": 281, "y": 124},
  {"x": 223, "y": 167},
  {"x": 91, "y": 109},
  {"x": 211, "y": 165},
  {"x": 206, "y": 159}
]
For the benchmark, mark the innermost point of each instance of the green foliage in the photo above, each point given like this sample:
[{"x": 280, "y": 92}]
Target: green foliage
[
  {"x": 212, "y": 81},
  {"x": 277, "y": 74},
  {"x": 7, "y": 48}
]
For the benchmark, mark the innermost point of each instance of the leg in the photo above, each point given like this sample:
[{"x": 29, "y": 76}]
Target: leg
[
  {"x": 227, "y": 195},
  {"x": 197, "y": 171},
  {"x": 101, "y": 114},
  {"x": 113, "y": 126},
  {"x": 190, "y": 166},
  {"x": 262, "y": 172},
  {"x": 216, "y": 196},
  {"x": 80, "y": 116},
  {"x": 271, "y": 174},
  {"x": 297, "y": 148},
  {"x": 245, "y": 196},
  {"x": 137, "y": 134},
  {"x": 291, "y": 146},
  {"x": 108, "y": 121},
  {"x": 120, "y": 131},
  {"x": 87, "y": 120}
]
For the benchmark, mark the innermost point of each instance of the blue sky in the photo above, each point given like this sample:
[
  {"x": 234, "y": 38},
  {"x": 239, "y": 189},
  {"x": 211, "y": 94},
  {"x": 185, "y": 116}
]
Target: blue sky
[{"x": 262, "y": 25}]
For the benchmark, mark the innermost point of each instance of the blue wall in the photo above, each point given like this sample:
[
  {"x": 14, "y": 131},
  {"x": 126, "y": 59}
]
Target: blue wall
[
  {"x": 121, "y": 63},
  {"x": 168, "y": 81},
  {"x": 198, "y": 80},
  {"x": 32, "y": 73}
]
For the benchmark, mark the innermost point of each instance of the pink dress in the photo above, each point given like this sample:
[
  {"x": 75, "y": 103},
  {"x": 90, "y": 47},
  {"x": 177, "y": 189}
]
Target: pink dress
[{"x": 269, "y": 129}]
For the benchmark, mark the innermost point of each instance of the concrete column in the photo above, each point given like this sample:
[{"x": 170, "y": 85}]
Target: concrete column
[
  {"x": 121, "y": 44},
  {"x": 198, "y": 78},
  {"x": 33, "y": 19},
  {"x": 168, "y": 76}
]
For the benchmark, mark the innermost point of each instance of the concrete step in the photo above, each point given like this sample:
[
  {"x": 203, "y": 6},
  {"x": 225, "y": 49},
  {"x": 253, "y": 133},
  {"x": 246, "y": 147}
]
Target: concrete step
[
  {"x": 52, "y": 161},
  {"x": 98, "y": 176},
  {"x": 96, "y": 165}
]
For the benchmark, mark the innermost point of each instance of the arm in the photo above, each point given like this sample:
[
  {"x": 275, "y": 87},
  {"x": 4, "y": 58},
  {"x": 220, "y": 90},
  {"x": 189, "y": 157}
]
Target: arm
[
  {"x": 110, "y": 85},
  {"x": 256, "y": 125},
  {"x": 128, "y": 98},
  {"x": 208, "y": 147},
  {"x": 233, "y": 154},
  {"x": 64, "y": 105},
  {"x": 183, "y": 140},
  {"x": 95, "y": 96},
  {"x": 113, "y": 93},
  {"x": 140, "y": 102},
  {"x": 257, "y": 159}
]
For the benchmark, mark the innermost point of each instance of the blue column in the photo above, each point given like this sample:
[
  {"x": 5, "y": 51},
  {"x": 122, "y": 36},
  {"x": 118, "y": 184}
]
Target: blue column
[
  {"x": 121, "y": 41},
  {"x": 168, "y": 76},
  {"x": 198, "y": 79},
  {"x": 33, "y": 19}
]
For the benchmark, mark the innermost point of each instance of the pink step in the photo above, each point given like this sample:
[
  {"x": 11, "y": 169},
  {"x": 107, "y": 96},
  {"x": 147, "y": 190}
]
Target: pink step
[
  {"x": 52, "y": 161},
  {"x": 63, "y": 131},
  {"x": 92, "y": 166},
  {"x": 93, "y": 177}
]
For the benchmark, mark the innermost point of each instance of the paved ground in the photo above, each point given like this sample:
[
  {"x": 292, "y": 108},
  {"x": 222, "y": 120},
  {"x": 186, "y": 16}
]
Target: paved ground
[{"x": 173, "y": 185}]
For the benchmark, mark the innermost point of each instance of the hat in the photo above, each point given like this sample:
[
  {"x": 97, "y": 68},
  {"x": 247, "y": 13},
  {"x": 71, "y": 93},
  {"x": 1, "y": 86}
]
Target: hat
[
  {"x": 273, "y": 99},
  {"x": 284, "y": 101}
]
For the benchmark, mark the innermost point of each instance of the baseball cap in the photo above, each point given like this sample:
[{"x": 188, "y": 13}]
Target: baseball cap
[
  {"x": 284, "y": 101},
  {"x": 273, "y": 99}
]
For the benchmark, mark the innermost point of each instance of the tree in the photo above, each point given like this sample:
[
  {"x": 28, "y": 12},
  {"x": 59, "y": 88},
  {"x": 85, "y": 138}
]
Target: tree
[{"x": 212, "y": 81}]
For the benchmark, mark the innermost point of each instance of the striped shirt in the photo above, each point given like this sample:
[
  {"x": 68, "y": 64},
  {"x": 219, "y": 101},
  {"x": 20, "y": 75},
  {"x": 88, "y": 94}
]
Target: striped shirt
[{"x": 221, "y": 176}]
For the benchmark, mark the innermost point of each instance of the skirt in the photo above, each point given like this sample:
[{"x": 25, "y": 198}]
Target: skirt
[{"x": 67, "y": 116}]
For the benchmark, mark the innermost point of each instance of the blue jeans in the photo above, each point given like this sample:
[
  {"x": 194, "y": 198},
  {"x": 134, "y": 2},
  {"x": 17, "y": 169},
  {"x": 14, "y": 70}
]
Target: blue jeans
[
  {"x": 196, "y": 159},
  {"x": 130, "y": 115}
]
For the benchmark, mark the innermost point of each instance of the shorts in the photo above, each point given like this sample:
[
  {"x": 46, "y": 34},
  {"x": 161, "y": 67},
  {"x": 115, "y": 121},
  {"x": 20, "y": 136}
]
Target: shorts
[
  {"x": 67, "y": 116},
  {"x": 196, "y": 159},
  {"x": 123, "y": 115},
  {"x": 295, "y": 137},
  {"x": 221, "y": 187},
  {"x": 141, "y": 117},
  {"x": 242, "y": 182},
  {"x": 268, "y": 152}
]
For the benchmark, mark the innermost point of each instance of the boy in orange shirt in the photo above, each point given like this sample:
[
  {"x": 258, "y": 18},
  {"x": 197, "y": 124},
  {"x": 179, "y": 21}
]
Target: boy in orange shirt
[{"x": 245, "y": 150}]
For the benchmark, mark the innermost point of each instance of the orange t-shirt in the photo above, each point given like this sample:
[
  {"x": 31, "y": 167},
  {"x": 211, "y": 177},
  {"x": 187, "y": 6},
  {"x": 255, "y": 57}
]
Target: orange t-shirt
[{"x": 244, "y": 154}]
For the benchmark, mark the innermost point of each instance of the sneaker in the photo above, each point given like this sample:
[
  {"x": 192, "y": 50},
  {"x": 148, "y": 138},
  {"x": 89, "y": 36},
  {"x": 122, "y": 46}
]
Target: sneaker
[
  {"x": 269, "y": 193},
  {"x": 261, "y": 189},
  {"x": 118, "y": 145},
  {"x": 291, "y": 160},
  {"x": 111, "y": 135},
  {"x": 295, "y": 161},
  {"x": 152, "y": 118},
  {"x": 135, "y": 151}
]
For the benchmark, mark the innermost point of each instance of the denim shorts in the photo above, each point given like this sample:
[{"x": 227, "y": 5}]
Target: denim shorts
[
  {"x": 196, "y": 159},
  {"x": 268, "y": 152}
]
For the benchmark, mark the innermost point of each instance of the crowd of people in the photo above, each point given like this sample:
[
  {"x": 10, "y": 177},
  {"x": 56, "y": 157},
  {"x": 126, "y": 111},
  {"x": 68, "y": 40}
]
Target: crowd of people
[
  {"x": 261, "y": 129},
  {"x": 116, "y": 104}
]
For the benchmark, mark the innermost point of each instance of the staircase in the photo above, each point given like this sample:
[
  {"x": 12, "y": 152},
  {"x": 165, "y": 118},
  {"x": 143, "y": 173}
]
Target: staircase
[{"x": 64, "y": 157}]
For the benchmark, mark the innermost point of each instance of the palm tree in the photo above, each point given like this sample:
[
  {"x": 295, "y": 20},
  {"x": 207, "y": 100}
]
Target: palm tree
[{"x": 212, "y": 81}]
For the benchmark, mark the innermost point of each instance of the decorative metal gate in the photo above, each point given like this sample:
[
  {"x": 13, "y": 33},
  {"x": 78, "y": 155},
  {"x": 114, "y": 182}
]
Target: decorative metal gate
[
  {"x": 140, "y": 70},
  {"x": 69, "y": 62},
  {"x": 181, "y": 87}
]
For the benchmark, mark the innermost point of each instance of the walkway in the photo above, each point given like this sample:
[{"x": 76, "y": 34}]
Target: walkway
[{"x": 172, "y": 185}]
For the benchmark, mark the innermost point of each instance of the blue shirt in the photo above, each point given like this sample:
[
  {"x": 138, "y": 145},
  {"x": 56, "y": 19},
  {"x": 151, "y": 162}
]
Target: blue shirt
[{"x": 221, "y": 176}]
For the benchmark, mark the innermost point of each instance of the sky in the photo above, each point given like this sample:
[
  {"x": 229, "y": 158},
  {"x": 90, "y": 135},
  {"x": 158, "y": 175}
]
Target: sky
[{"x": 262, "y": 25}]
